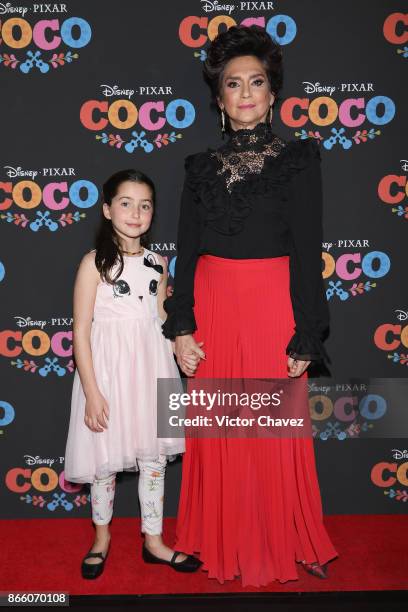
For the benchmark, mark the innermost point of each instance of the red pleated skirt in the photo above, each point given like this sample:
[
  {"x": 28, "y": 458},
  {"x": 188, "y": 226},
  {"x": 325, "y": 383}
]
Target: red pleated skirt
[{"x": 248, "y": 507}]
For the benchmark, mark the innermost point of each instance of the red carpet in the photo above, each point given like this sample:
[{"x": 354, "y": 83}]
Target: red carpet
[{"x": 45, "y": 554}]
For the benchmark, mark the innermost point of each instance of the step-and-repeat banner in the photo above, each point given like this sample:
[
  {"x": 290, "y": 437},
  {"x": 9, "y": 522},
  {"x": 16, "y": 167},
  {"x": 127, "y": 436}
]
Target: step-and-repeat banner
[{"x": 89, "y": 88}]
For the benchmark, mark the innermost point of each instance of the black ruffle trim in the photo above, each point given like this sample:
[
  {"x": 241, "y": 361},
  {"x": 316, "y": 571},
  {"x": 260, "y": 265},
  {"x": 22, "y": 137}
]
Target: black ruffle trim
[
  {"x": 180, "y": 319},
  {"x": 307, "y": 346}
]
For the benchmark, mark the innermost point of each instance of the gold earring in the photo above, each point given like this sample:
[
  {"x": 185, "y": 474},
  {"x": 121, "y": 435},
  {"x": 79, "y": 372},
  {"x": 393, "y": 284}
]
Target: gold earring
[
  {"x": 223, "y": 122},
  {"x": 270, "y": 115}
]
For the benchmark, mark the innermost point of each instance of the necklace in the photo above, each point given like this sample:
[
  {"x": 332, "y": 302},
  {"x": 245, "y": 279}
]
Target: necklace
[{"x": 131, "y": 253}]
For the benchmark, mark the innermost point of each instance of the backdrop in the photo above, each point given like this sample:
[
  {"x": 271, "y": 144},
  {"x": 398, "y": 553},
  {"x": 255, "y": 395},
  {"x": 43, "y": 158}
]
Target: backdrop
[{"x": 89, "y": 88}]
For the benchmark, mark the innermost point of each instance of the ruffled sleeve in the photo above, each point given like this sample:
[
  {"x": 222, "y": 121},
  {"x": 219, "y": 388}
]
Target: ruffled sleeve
[
  {"x": 304, "y": 219},
  {"x": 179, "y": 307}
]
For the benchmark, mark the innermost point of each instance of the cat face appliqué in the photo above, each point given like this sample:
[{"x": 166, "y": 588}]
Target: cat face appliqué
[{"x": 121, "y": 288}]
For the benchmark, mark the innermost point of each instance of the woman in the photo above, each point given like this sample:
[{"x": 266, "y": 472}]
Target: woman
[{"x": 249, "y": 302}]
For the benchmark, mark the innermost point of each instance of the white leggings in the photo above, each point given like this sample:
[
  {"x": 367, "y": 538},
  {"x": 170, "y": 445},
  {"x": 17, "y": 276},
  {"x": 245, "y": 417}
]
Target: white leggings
[{"x": 151, "y": 496}]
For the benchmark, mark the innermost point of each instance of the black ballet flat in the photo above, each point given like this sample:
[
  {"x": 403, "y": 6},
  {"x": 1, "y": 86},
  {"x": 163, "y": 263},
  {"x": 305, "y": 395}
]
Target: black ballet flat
[
  {"x": 190, "y": 564},
  {"x": 90, "y": 571}
]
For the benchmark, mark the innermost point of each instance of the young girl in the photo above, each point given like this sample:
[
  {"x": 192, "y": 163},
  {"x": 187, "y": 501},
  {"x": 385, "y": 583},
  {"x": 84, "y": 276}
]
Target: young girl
[{"x": 120, "y": 352}]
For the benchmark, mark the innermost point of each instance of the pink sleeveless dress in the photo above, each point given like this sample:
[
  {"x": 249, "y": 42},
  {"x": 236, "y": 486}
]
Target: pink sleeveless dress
[{"x": 129, "y": 354}]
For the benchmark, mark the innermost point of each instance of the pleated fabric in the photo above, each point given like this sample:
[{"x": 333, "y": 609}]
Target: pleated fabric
[{"x": 249, "y": 507}]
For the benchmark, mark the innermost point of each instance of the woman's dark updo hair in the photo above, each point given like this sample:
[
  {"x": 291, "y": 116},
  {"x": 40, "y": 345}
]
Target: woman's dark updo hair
[
  {"x": 107, "y": 246},
  {"x": 238, "y": 41}
]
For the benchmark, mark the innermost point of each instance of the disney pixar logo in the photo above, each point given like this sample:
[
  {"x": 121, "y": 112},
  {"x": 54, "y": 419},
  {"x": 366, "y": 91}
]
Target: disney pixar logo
[
  {"x": 392, "y": 337},
  {"x": 344, "y": 410},
  {"x": 353, "y": 268},
  {"x": 357, "y": 113},
  {"x": 393, "y": 189},
  {"x": 44, "y": 29},
  {"x": 33, "y": 349},
  {"x": 140, "y": 125},
  {"x": 42, "y": 484},
  {"x": 392, "y": 476},
  {"x": 59, "y": 196},
  {"x": 196, "y": 31},
  {"x": 395, "y": 30}
]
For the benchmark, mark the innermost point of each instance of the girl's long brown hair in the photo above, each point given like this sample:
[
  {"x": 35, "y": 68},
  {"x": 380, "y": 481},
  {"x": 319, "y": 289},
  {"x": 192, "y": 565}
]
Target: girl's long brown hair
[{"x": 108, "y": 253}]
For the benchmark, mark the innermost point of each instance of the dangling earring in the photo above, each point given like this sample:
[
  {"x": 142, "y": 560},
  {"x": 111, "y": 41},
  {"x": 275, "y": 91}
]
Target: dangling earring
[
  {"x": 222, "y": 123},
  {"x": 270, "y": 115}
]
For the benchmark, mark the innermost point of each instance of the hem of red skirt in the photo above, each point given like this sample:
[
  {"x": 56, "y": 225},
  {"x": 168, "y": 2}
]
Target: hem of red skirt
[{"x": 188, "y": 550}]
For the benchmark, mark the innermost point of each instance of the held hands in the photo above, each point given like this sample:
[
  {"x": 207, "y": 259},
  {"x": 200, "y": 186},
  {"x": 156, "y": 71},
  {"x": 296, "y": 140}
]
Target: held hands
[
  {"x": 188, "y": 353},
  {"x": 296, "y": 367},
  {"x": 96, "y": 413}
]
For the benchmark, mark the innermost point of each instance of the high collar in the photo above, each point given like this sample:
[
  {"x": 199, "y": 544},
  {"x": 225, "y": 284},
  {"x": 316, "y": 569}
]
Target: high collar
[{"x": 248, "y": 138}]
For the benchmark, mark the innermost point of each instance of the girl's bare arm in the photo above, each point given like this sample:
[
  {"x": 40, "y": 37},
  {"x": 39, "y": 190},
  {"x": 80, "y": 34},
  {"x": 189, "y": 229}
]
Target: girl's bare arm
[
  {"x": 162, "y": 293},
  {"x": 86, "y": 282},
  {"x": 162, "y": 288}
]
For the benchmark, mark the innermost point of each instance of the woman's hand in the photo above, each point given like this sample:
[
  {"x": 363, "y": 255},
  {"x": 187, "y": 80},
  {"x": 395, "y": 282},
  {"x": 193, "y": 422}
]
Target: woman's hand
[
  {"x": 188, "y": 353},
  {"x": 296, "y": 367},
  {"x": 96, "y": 413}
]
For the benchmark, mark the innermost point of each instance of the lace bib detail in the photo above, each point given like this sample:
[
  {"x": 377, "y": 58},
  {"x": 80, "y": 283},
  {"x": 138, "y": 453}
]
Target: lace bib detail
[
  {"x": 245, "y": 153},
  {"x": 253, "y": 163}
]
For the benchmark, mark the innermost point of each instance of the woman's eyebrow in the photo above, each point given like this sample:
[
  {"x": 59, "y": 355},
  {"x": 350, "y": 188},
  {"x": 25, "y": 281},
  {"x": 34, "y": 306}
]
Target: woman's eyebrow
[{"x": 238, "y": 78}]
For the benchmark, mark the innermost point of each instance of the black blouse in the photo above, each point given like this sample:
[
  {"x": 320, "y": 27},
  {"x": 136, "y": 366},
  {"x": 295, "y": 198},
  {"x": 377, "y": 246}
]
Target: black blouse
[{"x": 256, "y": 196}]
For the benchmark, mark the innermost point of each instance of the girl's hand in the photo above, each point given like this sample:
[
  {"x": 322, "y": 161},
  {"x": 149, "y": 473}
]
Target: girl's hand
[
  {"x": 296, "y": 367},
  {"x": 188, "y": 353},
  {"x": 96, "y": 413}
]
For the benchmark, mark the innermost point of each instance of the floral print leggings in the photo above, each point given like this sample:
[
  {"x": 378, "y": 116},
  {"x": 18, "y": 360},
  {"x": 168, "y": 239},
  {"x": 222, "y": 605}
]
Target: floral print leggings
[{"x": 151, "y": 496}]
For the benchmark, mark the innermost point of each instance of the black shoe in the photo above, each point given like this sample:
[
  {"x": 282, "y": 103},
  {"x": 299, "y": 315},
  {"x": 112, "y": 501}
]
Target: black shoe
[
  {"x": 190, "y": 564},
  {"x": 93, "y": 570}
]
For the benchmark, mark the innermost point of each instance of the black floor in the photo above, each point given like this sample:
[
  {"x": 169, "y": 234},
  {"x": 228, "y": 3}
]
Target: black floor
[{"x": 359, "y": 601}]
